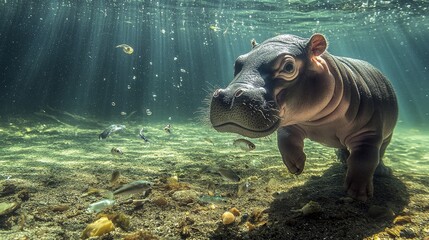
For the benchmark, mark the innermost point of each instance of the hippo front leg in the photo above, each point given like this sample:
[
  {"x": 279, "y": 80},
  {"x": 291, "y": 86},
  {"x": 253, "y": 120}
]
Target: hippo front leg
[
  {"x": 361, "y": 165},
  {"x": 290, "y": 141}
]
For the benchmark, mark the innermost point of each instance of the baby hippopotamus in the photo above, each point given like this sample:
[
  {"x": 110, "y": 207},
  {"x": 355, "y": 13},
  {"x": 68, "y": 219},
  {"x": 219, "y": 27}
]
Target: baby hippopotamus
[{"x": 293, "y": 85}]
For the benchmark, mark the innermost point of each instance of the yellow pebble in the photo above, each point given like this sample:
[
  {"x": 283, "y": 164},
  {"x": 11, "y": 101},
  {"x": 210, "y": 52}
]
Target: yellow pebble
[
  {"x": 250, "y": 226},
  {"x": 98, "y": 228},
  {"x": 402, "y": 220},
  {"x": 235, "y": 211},
  {"x": 228, "y": 218}
]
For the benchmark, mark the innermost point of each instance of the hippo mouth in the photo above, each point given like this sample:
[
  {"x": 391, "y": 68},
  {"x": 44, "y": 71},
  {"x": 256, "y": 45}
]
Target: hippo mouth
[
  {"x": 247, "y": 132},
  {"x": 250, "y": 119}
]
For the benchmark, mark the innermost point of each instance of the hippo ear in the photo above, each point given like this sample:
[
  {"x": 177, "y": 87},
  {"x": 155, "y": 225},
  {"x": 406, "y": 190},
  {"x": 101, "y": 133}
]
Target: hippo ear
[
  {"x": 253, "y": 43},
  {"x": 317, "y": 44}
]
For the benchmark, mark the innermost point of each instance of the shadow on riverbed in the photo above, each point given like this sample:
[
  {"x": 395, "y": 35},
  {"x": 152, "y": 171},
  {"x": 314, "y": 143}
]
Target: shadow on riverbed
[{"x": 340, "y": 218}]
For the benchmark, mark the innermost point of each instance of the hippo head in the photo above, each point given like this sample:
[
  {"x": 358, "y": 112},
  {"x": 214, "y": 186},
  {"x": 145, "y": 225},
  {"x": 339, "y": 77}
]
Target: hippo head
[{"x": 266, "y": 86}]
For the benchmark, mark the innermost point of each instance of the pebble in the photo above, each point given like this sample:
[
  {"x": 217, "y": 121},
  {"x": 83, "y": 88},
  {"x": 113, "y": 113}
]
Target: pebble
[
  {"x": 228, "y": 218},
  {"x": 185, "y": 196},
  {"x": 6, "y": 207}
]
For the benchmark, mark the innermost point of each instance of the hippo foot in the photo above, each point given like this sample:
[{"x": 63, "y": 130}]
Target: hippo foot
[
  {"x": 359, "y": 187},
  {"x": 383, "y": 171},
  {"x": 295, "y": 164}
]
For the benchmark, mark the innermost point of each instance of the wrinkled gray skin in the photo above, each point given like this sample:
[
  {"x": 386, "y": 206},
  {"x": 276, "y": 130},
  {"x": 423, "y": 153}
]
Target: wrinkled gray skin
[{"x": 293, "y": 85}]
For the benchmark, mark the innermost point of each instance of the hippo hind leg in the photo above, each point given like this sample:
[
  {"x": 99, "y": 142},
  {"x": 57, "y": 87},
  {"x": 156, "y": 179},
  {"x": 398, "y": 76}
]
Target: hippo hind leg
[{"x": 382, "y": 170}]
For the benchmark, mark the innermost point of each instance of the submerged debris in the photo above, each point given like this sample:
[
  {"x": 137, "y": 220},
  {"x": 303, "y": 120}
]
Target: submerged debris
[{"x": 100, "y": 205}]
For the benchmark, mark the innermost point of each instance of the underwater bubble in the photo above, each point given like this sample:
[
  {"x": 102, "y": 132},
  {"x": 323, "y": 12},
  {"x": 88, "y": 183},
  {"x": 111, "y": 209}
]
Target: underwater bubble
[
  {"x": 148, "y": 112},
  {"x": 163, "y": 31},
  {"x": 129, "y": 87},
  {"x": 113, "y": 104},
  {"x": 123, "y": 113},
  {"x": 134, "y": 77},
  {"x": 175, "y": 58},
  {"x": 183, "y": 70}
]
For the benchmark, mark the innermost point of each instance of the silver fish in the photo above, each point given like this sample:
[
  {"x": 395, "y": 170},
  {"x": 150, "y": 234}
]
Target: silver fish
[
  {"x": 133, "y": 187},
  {"x": 110, "y": 130},
  {"x": 244, "y": 144},
  {"x": 116, "y": 151},
  {"x": 229, "y": 175}
]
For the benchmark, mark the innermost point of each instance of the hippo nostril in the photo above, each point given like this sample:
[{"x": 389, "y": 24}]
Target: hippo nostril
[
  {"x": 216, "y": 93},
  {"x": 238, "y": 93}
]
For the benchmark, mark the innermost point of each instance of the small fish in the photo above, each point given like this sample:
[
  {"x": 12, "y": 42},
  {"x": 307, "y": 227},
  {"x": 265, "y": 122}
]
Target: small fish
[
  {"x": 229, "y": 175},
  {"x": 126, "y": 48},
  {"x": 243, "y": 188},
  {"x": 167, "y": 128},
  {"x": 110, "y": 130},
  {"x": 214, "y": 28},
  {"x": 142, "y": 136},
  {"x": 116, "y": 151},
  {"x": 115, "y": 176},
  {"x": 212, "y": 199},
  {"x": 244, "y": 144},
  {"x": 133, "y": 187}
]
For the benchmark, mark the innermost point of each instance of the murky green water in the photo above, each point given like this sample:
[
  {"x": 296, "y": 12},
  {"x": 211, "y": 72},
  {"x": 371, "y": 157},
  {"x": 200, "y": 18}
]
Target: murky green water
[{"x": 63, "y": 81}]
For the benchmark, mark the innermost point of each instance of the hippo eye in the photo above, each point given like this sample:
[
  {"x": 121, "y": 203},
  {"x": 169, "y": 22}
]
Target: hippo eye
[
  {"x": 237, "y": 67},
  {"x": 288, "y": 67},
  {"x": 289, "y": 70}
]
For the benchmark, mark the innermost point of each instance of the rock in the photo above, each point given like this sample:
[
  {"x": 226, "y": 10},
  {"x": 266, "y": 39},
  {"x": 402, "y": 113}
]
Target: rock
[
  {"x": 8, "y": 207},
  {"x": 185, "y": 196},
  {"x": 98, "y": 228},
  {"x": 380, "y": 212}
]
